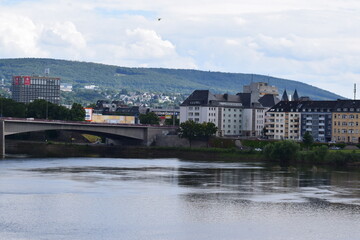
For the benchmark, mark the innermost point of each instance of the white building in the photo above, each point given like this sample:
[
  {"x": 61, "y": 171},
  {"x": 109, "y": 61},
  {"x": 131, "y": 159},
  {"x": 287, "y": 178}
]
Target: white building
[{"x": 234, "y": 115}]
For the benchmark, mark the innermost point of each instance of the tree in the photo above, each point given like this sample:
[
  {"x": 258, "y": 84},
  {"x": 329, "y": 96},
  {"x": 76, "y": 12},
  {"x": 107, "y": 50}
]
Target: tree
[
  {"x": 308, "y": 140},
  {"x": 170, "y": 122},
  {"x": 192, "y": 130},
  {"x": 10, "y": 108},
  {"x": 283, "y": 151},
  {"x": 77, "y": 112},
  {"x": 189, "y": 130},
  {"x": 149, "y": 118},
  {"x": 208, "y": 129},
  {"x": 38, "y": 109}
]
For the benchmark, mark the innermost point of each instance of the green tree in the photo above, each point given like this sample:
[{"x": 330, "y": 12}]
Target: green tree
[
  {"x": 149, "y": 118},
  {"x": 170, "y": 122},
  {"x": 283, "y": 151},
  {"x": 208, "y": 129},
  {"x": 308, "y": 140},
  {"x": 192, "y": 130},
  {"x": 189, "y": 130},
  {"x": 10, "y": 108},
  {"x": 77, "y": 112},
  {"x": 38, "y": 109}
]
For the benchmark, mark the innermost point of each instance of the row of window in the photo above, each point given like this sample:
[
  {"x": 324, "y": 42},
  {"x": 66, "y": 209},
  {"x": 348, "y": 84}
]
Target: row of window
[
  {"x": 234, "y": 120},
  {"x": 345, "y": 116},
  {"x": 343, "y": 139},
  {"x": 346, "y": 123},
  {"x": 346, "y": 130}
]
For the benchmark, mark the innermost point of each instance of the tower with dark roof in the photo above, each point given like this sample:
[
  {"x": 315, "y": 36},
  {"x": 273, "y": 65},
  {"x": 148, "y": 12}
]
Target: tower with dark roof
[
  {"x": 296, "y": 96},
  {"x": 285, "y": 96}
]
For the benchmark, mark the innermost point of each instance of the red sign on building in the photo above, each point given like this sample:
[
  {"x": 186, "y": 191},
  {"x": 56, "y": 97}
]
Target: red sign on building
[
  {"x": 27, "y": 80},
  {"x": 16, "y": 80}
]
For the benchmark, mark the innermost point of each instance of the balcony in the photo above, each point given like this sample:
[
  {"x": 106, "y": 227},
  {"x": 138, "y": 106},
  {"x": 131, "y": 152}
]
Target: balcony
[
  {"x": 321, "y": 118},
  {"x": 309, "y": 118}
]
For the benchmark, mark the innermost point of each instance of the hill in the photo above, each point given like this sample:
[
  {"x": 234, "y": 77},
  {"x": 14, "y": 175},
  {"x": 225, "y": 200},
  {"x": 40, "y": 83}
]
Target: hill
[{"x": 158, "y": 80}]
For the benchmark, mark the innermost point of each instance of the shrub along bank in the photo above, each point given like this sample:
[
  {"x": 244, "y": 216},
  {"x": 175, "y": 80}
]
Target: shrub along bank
[{"x": 287, "y": 152}]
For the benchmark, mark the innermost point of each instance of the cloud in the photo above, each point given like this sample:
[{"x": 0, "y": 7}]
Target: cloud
[
  {"x": 315, "y": 41},
  {"x": 64, "y": 35},
  {"x": 18, "y": 37}
]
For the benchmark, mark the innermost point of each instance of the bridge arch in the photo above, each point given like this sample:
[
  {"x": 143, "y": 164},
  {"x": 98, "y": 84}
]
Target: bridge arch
[{"x": 143, "y": 133}]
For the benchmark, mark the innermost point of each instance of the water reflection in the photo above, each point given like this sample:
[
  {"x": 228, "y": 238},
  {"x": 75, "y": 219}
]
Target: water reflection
[
  {"x": 246, "y": 181},
  {"x": 82, "y": 198}
]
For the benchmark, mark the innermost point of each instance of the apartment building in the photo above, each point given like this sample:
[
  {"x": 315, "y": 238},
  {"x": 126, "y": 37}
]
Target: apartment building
[
  {"x": 337, "y": 121},
  {"x": 283, "y": 121},
  {"x": 346, "y": 121},
  {"x": 316, "y": 118}
]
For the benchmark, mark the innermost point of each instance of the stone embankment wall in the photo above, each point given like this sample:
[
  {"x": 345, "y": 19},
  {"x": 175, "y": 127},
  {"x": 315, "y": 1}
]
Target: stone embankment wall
[{"x": 175, "y": 141}]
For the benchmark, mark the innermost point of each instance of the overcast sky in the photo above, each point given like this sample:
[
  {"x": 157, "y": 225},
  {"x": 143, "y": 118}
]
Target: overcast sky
[{"x": 312, "y": 41}]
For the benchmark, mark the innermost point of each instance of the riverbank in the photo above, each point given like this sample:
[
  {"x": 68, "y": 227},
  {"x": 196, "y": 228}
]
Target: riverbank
[
  {"x": 338, "y": 158},
  {"x": 50, "y": 149}
]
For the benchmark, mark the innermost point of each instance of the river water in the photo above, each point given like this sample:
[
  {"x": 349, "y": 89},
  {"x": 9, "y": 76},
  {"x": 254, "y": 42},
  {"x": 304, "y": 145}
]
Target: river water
[{"x": 109, "y": 198}]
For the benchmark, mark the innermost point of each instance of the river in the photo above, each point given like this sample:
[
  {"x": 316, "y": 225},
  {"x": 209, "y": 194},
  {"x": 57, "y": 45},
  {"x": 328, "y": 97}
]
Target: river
[{"x": 155, "y": 199}]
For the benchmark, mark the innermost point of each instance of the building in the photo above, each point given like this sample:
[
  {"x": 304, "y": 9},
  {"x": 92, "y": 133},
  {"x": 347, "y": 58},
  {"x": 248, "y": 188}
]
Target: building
[
  {"x": 283, "y": 121},
  {"x": 337, "y": 121},
  {"x": 66, "y": 87},
  {"x": 346, "y": 121},
  {"x": 316, "y": 118},
  {"x": 29, "y": 88},
  {"x": 242, "y": 114}
]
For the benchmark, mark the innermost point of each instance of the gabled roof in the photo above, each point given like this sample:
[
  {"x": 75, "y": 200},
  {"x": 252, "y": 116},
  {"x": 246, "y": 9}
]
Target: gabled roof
[
  {"x": 309, "y": 106},
  {"x": 268, "y": 100},
  {"x": 199, "y": 97},
  {"x": 245, "y": 99},
  {"x": 346, "y": 105}
]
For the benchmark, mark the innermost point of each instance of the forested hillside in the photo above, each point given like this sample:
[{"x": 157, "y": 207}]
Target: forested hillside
[{"x": 149, "y": 79}]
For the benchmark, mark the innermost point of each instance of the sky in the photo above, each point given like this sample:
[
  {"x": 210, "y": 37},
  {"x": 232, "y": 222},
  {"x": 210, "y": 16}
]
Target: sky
[{"x": 313, "y": 41}]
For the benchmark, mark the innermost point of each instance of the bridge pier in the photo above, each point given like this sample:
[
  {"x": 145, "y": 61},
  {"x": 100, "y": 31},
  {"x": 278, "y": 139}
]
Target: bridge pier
[{"x": 2, "y": 139}]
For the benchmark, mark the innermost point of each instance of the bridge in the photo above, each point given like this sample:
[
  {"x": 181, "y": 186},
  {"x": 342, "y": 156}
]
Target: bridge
[{"x": 144, "y": 134}]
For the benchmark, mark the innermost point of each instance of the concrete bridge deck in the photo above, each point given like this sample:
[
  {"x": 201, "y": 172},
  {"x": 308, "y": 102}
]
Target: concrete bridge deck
[{"x": 144, "y": 133}]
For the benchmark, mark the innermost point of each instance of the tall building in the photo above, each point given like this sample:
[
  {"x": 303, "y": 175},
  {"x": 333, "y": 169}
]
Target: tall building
[{"x": 29, "y": 88}]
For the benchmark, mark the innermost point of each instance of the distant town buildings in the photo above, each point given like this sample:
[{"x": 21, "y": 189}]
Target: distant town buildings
[
  {"x": 66, "y": 87},
  {"x": 29, "y": 88},
  {"x": 90, "y": 87}
]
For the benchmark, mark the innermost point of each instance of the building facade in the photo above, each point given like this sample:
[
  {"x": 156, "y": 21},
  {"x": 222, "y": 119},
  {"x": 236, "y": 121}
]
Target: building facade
[
  {"x": 29, "y": 88},
  {"x": 234, "y": 115},
  {"x": 337, "y": 121},
  {"x": 346, "y": 121}
]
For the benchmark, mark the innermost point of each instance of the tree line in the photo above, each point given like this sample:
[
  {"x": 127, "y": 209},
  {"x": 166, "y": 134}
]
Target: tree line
[{"x": 41, "y": 109}]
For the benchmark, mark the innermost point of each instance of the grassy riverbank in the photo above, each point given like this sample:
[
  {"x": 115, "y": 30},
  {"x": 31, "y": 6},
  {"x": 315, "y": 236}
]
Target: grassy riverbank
[
  {"x": 40, "y": 149},
  {"x": 316, "y": 156}
]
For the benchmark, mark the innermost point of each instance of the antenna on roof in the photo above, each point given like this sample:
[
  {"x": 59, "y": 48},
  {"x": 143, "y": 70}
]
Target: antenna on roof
[{"x": 354, "y": 91}]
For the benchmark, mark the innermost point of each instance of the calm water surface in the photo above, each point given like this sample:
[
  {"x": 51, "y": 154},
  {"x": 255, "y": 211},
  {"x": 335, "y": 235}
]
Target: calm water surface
[{"x": 107, "y": 198}]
